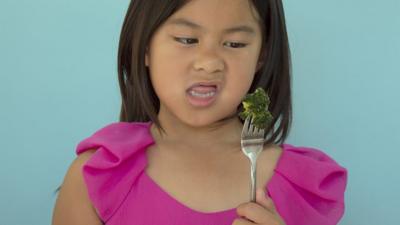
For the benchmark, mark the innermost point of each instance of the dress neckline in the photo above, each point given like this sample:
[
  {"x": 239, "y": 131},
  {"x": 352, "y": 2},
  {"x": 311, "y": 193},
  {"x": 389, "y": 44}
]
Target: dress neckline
[{"x": 179, "y": 204}]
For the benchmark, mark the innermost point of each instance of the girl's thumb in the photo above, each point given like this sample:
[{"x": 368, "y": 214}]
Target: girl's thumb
[
  {"x": 263, "y": 200},
  {"x": 260, "y": 195}
]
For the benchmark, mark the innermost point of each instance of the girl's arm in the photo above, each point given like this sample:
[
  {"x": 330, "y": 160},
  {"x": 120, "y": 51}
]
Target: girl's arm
[{"x": 73, "y": 206}]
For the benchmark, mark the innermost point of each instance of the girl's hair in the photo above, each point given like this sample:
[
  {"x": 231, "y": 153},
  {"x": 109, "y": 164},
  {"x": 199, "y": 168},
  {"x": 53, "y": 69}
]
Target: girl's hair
[{"x": 141, "y": 104}]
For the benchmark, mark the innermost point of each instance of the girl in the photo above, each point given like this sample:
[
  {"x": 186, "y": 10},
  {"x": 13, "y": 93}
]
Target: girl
[{"x": 175, "y": 157}]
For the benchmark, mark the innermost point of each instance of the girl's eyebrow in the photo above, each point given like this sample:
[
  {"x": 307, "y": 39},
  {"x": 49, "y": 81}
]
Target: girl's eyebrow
[{"x": 187, "y": 23}]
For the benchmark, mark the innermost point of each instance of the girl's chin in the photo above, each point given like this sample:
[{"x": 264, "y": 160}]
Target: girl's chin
[
  {"x": 210, "y": 122},
  {"x": 198, "y": 124}
]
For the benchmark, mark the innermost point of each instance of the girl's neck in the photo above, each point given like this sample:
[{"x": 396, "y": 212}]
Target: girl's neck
[{"x": 224, "y": 136}]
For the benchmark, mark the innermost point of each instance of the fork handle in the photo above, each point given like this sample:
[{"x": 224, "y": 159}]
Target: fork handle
[{"x": 253, "y": 180}]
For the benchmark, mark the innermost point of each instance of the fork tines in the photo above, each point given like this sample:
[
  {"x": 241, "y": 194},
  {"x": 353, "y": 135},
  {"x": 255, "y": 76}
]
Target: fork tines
[{"x": 249, "y": 131}]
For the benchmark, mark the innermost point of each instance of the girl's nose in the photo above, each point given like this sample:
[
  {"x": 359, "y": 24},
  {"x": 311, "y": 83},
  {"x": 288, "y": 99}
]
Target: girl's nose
[{"x": 210, "y": 63}]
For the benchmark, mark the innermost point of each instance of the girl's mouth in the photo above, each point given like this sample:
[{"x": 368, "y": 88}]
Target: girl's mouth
[{"x": 202, "y": 96}]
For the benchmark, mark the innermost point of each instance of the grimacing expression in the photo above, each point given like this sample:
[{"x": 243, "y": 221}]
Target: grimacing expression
[{"x": 216, "y": 41}]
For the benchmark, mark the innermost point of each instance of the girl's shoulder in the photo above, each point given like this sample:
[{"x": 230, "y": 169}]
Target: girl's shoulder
[
  {"x": 119, "y": 149},
  {"x": 306, "y": 158},
  {"x": 117, "y": 136},
  {"x": 309, "y": 181}
]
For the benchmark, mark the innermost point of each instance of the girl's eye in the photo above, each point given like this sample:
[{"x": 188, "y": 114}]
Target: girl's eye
[
  {"x": 236, "y": 44},
  {"x": 186, "y": 41},
  {"x": 190, "y": 41}
]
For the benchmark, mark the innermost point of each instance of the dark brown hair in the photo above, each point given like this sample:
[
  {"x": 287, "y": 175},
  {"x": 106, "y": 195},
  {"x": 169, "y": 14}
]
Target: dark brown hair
[{"x": 141, "y": 104}]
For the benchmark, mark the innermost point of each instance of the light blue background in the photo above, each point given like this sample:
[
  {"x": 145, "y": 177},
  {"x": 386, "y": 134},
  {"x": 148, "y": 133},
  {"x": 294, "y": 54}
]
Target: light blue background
[{"x": 58, "y": 84}]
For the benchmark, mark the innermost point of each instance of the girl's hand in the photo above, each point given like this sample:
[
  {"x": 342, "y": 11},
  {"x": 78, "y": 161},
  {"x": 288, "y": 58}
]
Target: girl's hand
[{"x": 262, "y": 212}]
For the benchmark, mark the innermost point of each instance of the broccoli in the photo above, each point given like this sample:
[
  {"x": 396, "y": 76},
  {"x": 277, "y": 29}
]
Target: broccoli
[{"x": 256, "y": 105}]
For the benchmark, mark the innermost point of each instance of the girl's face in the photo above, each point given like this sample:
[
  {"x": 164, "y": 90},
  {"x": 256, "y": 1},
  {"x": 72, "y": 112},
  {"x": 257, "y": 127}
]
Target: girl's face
[{"x": 213, "y": 42}]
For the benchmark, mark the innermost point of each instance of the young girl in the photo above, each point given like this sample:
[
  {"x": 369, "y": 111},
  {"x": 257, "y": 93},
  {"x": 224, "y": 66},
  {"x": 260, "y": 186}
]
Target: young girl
[{"x": 175, "y": 158}]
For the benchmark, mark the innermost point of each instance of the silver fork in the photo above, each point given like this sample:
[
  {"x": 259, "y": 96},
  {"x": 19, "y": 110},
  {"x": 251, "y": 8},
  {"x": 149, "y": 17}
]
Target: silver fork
[{"x": 252, "y": 142}]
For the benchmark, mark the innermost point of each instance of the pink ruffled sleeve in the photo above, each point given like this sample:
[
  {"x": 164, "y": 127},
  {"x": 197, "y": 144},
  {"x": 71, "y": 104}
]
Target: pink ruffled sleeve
[
  {"x": 112, "y": 170},
  {"x": 308, "y": 187}
]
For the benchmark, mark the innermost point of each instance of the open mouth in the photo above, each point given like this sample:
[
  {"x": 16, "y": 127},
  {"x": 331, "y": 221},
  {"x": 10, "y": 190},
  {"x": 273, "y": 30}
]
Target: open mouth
[{"x": 202, "y": 95}]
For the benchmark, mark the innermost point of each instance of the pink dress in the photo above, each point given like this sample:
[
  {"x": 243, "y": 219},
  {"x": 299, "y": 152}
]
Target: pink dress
[{"x": 307, "y": 186}]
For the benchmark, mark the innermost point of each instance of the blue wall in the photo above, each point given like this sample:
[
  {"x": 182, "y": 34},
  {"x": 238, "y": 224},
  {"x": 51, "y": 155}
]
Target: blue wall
[{"x": 58, "y": 85}]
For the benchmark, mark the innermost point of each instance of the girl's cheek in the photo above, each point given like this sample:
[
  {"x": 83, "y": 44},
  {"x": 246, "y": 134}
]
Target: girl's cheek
[{"x": 172, "y": 52}]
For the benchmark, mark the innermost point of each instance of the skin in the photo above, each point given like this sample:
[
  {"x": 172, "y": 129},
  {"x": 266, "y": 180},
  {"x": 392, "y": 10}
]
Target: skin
[
  {"x": 261, "y": 212},
  {"x": 210, "y": 54},
  {"x": 192, "y": 132},
  {"x": 73, "y": 206}
]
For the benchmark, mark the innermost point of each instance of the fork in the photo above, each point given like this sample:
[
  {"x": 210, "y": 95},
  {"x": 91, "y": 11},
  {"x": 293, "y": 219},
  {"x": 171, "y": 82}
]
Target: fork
[{"x": 252, "y": 142}]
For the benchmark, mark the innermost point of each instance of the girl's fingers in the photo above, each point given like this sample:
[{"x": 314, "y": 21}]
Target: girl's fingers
[
  {"x": 264, "y": 200},
  {"x": 242, "y": 221},
  {"x": 255, "y": 213},
  {"x": 261, "y": 212}
]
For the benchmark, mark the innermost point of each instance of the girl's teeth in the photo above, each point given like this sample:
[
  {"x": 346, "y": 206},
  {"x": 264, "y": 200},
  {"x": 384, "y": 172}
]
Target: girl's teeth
[{"x": 202, "y": 95}]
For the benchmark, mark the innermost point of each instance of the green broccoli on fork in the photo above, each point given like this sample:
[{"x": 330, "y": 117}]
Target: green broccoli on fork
[{"x": 256, "y": 105}]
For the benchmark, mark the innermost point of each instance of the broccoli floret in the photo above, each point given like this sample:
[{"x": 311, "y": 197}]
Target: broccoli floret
[{"x": 256, "y": 105}]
